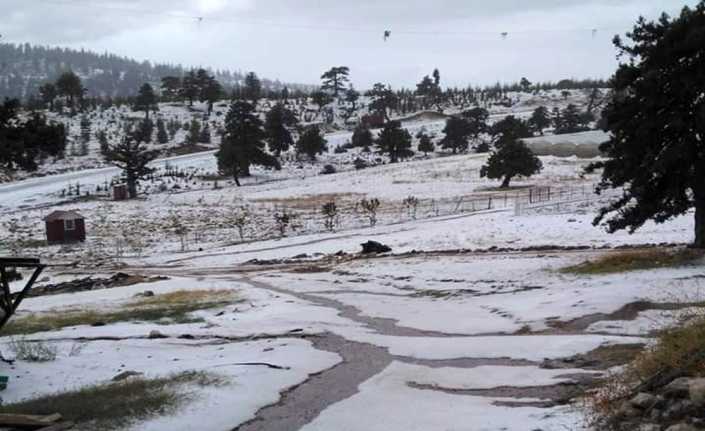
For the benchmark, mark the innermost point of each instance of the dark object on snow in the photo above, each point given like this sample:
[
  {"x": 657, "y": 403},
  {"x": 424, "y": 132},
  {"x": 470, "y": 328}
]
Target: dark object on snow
[
  {"x": 328, "y": 169},
  {"x": 65, "y": 227},
  {"x": 374, "y": 247}
]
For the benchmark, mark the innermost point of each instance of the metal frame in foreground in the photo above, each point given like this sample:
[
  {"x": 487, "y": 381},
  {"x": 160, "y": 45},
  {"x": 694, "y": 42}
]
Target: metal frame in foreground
[{"x": 10, "y": 301}]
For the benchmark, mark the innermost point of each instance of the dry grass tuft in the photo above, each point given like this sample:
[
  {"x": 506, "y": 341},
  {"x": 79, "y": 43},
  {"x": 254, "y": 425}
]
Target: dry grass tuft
[
  {"x": 632, "y": 260},
  {"x": 678, "y": 351},
  {"x": 167, "y": 308},
  {"x": 117, "y": 405}
]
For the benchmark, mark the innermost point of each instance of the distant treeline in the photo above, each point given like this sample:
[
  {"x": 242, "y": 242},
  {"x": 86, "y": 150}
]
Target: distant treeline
[{"x": 25, "y": 67}]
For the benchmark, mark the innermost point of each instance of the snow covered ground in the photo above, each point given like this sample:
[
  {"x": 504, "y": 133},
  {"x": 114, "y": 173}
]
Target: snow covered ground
[{"x": 480, "y": 329}]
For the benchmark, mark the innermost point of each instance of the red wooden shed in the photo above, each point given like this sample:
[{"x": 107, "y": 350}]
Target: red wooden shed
[{"x": 65, "y": 227}]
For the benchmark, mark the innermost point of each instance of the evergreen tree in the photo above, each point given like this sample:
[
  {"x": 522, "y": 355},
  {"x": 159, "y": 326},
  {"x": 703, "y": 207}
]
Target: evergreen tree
[
  {"x": 511, "y": 158},
  {"x": 25, "y": 143},
  {"x": 69, "y": 85},
  {"x": 194, "y": 132},
  {"x": 190, "y": 88},
  {"x": 103, "y": 142},
  {"x": 253, "y": 88},
  {"x": 243, "y": 143},
  {"x": 85, "y": 135},
  {"x": 351, "y": 97},
  {"x": 570, "y": 121},
  {"x": 362, "y": 137},
  {"x": 173, "y": 126},
  {"x": 211, "y": 91},
  {"x": 395, "y": 141},
  {"x": 510, "y": 127},
  {"x": 171, "y": 87},
  {"x": 133, "y": 158},
  {"x": 48, "y": 94},
  {"x": 477, "y": 124},
  {"x": 146, "y": 100},
  {"x": 540, "y": 119},
  {"x": 426, "y": 145},
  {"x": 525, "y": 85},
  {"x": 205, "y": 136},
  {"x": 321, "y": 98},
  {"x": 311, "y": 143},
  {"x": 277, "y": 123},
  {"x": 334, "y": 80},
  {"x": 383, "y": 99},
  {"x": 457, "y": 132},
  {"x": 162, "y": 135},
  {"x": 85, "y": 129},
  {"x": 143, "y": 131},
  {"x": 657, "y": 125}
]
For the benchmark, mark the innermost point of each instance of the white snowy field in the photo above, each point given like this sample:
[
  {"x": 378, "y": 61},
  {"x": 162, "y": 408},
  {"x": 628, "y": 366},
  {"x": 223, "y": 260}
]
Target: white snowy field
[{"x": 481, "y": 328}]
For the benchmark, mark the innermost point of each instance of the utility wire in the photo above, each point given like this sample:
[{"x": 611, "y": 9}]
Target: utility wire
[{"x": 324, "y": 28}]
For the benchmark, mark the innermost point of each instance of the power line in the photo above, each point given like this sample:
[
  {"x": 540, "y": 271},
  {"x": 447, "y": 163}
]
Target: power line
[{"x": 504, "y": 34}]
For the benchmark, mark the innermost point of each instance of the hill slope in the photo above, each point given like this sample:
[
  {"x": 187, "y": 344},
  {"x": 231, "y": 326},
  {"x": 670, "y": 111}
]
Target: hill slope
[{"x": 24, "y": 67}]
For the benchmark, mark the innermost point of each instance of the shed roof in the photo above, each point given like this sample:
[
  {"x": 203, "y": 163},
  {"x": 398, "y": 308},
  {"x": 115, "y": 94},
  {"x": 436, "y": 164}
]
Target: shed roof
[{"x": 63, "y": 215}]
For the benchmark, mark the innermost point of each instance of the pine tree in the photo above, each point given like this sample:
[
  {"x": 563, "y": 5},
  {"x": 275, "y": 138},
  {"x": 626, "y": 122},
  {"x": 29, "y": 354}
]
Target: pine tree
[
  {"x": 510, "y": 127},
  {"x": 133, "y": 158},
  {"x": 457, "y": 133},
  {"x": 426, "y": 145},
  {"x": 205, "y": 136},
  {"x": 171, "y": 87},
  {"x": 243, "y": 143},
  {"x": 383, "y": 99},
  {"x": 211, "y": 91},
  {"x": 194, "y": 132},
  {"x": 277, "y": 123},
  {"x": 311, "y": 142},
  {"x": 162, "y": 135},
  {"x": 146, "y": 100},
  {"x": 85, "y": 129},
  {"x": 253, "y": 88},
  {"x": 48, "y": 93},
  {"x": 477, "y": 125},
  {"x": 69, "y": 85},
  {"x": 103, "y": 142},
  {"x": 657, "y": 125},
  {"x": 570, "y": 121},
  {"x": 395, "y": 141},
  {"x": 351, "y": 97},
  {"x": 362, "y": 138},
  {"x": 512, "y": 158},
  {"x": 334, "y": 80},
  {"x": 190, "y": 88},
  {"x": 540, "y": 119},
  {"x": 143, "y": 132}
]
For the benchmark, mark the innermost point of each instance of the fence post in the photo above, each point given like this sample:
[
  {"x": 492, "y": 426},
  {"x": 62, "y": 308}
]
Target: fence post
[{"x": 489, "y": 203}]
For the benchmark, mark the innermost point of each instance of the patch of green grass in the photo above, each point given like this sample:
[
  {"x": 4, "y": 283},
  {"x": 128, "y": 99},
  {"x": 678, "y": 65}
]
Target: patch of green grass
[
  {"x": 167, "y": 308},
  {"x": 116, "y": 405},
  {"x": 632, "y": 260}
]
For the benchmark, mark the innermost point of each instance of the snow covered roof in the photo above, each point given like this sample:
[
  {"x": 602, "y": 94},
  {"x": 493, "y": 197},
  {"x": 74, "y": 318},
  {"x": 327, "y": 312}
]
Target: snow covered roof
[{"x": 63, "y": 215}]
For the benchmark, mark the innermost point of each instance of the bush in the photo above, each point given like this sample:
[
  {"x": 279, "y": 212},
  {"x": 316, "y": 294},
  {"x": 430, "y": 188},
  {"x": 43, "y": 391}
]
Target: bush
[{"x": 360, "y": 164}]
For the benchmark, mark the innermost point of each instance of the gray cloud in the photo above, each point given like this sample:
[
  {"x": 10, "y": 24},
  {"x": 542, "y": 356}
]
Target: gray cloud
[{"x": 295, "y": 40}]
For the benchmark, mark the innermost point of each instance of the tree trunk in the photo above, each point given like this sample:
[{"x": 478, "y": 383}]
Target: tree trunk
[
  {"x": 505, "y": 182},
  {"x": 237, "y": 181},
  {"x": 699, "y": 222}
]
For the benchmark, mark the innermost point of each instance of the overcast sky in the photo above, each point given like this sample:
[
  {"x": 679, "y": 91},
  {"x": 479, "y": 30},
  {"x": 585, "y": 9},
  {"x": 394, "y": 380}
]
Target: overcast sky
[{"x": 295, "y": 40}]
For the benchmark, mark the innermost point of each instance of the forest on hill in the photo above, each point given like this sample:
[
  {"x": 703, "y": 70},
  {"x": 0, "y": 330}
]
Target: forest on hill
[{"x": 25, "y": 67}]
